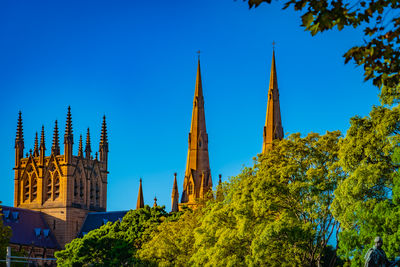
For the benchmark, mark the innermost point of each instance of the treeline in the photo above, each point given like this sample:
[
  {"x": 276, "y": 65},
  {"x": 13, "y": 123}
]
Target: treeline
[{"x": 286, "y": 210}]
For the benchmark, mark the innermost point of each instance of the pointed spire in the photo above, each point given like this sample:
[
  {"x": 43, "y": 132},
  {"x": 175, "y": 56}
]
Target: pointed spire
[
  {"x": 20, "y": 132},
  {"x": 198, "y": 158},
  {"x": 140, "y": 202},
  {"x": 155, "y": 202},
  {"x": 68, "y": 124},
  {"x": 103, "y": 137},
  {"x": 175, "y": 195},
  {"x": 68, "y": 138},
  {"x": 273, "y": 122},
  {"x": 198, "y": 88},
  {"x": 19, "y": 141},
  {"x": 36, "y": 147},
  {"x": 42, "y": 147},
  {"x": 88, "y": 149},
  {"x": 55, "y": 149},
  {"x": 80, "y": 149},
  {"x": 104, "y": 142}
]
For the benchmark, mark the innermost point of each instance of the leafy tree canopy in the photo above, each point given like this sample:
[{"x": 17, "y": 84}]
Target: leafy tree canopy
[
  {"x": 276, "y": 213},
  {"x": 172, "y": 244},
  {"x": 367, "y": 203},
  {"x": 378, "y": 52},
  {"x": 113, "y": 244},
  {"x": 5, "y": 235}
]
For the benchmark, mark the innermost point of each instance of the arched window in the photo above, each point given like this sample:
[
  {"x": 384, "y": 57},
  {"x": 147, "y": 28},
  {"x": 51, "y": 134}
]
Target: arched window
[
  {"x": 190, "y": 188},
  {"x": 26, "y": 188},
  {"x": 75, "y": 187},
  {"x": 81, "y": 188},
  {"x": 48, "y": 187},
  {"x": 34, "y": 187},
  {"x": 56, "y": 185},
  {"x": 97, "y": 193},
  {"x": 91, "y": 191}
]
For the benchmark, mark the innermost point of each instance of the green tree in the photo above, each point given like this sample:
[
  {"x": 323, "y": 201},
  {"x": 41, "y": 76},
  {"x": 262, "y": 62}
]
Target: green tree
[
  {"x": 278, "y": 212},
  {"x": 114, "y": 244},
  {"x": 367, "y": 202},
  {"x": 5, "y": 235},
  {"x": 172, "y": 243},
  {"x": 378, "y": 52}
]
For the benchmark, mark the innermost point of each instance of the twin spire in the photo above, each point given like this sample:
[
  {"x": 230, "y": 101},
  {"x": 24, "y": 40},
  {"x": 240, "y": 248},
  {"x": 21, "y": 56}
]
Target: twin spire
[
  {"x": 39, "y": 149},
  {"x": 273, "y": 123}
]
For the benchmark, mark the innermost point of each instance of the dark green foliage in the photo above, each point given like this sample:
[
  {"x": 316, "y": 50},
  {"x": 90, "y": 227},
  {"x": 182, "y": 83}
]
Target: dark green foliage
[
  {"x": 367, "y": 202},
  {"x": 114, "y": 244}
]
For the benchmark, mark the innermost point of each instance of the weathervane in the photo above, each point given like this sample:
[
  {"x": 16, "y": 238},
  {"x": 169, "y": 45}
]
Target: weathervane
[
  {"x": 273, "y": 45},
  {"x": 198, "y": 54}
]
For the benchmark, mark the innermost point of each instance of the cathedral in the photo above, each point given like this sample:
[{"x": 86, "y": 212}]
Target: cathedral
[{"x": 58, "y": 197}]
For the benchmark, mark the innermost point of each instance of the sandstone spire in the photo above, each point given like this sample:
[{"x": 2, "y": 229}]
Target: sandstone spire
[
  {"x": 273, "y": 123},
  {"x": 197, "y": 166}
]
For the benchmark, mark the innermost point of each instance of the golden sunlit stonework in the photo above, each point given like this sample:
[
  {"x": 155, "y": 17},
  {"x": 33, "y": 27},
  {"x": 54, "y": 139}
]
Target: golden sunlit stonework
[
  {"x": 66, "y": 188},
  {"x": 63, "y": 187},
  {"x": 273, "y": 122}
]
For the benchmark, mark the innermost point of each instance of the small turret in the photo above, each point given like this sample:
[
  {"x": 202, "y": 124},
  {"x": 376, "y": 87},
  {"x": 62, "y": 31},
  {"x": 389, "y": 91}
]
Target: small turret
[
  {"x": 103, "y": 142},
  {"x": 80, "y": 150},
  {"x": 220, "y": 194},
  {"x": 155, "y": 202},
  {"x": 140, "y": 201},
  {"x": 42, "y": 147},
  {"x": 36, "y": 147},
  {"x": 88, "y": 149},
  {"x": 175, "y": 195},
  {"x": 19, "y": 141},
  {"x": 55, "y": 149}
]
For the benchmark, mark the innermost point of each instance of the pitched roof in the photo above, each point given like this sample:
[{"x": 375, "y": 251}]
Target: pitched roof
[
  {"x": 28, "y": 228},
  {"x": 95, "y": 220}
]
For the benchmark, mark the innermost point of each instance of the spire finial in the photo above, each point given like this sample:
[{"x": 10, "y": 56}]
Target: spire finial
[
  {"x": 198, "y": 55},
  {"x": 88, "y": 149},
  {"x": 273, "y": 45},
  {"x": 36, "y": 147},
  {"x": 80, "y": 150},
  {"x": 55, "y": 149},
  {"x": 103, "y": 137},
  {"x": 20, "y": 132},
  {"x": 68, "y": 124},
  {"x": 42, "y": 144}
]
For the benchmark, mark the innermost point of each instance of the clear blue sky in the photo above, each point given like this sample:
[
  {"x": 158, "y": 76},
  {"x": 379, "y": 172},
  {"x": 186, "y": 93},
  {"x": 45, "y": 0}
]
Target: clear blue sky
[{"x": 135, "y": 62}]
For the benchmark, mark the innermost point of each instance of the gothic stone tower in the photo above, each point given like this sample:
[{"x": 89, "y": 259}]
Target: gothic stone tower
[
  {"x": 197, "y": 182},
  {"x": 63, "y": 187},
  {"x": 273, "y": 123}
]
